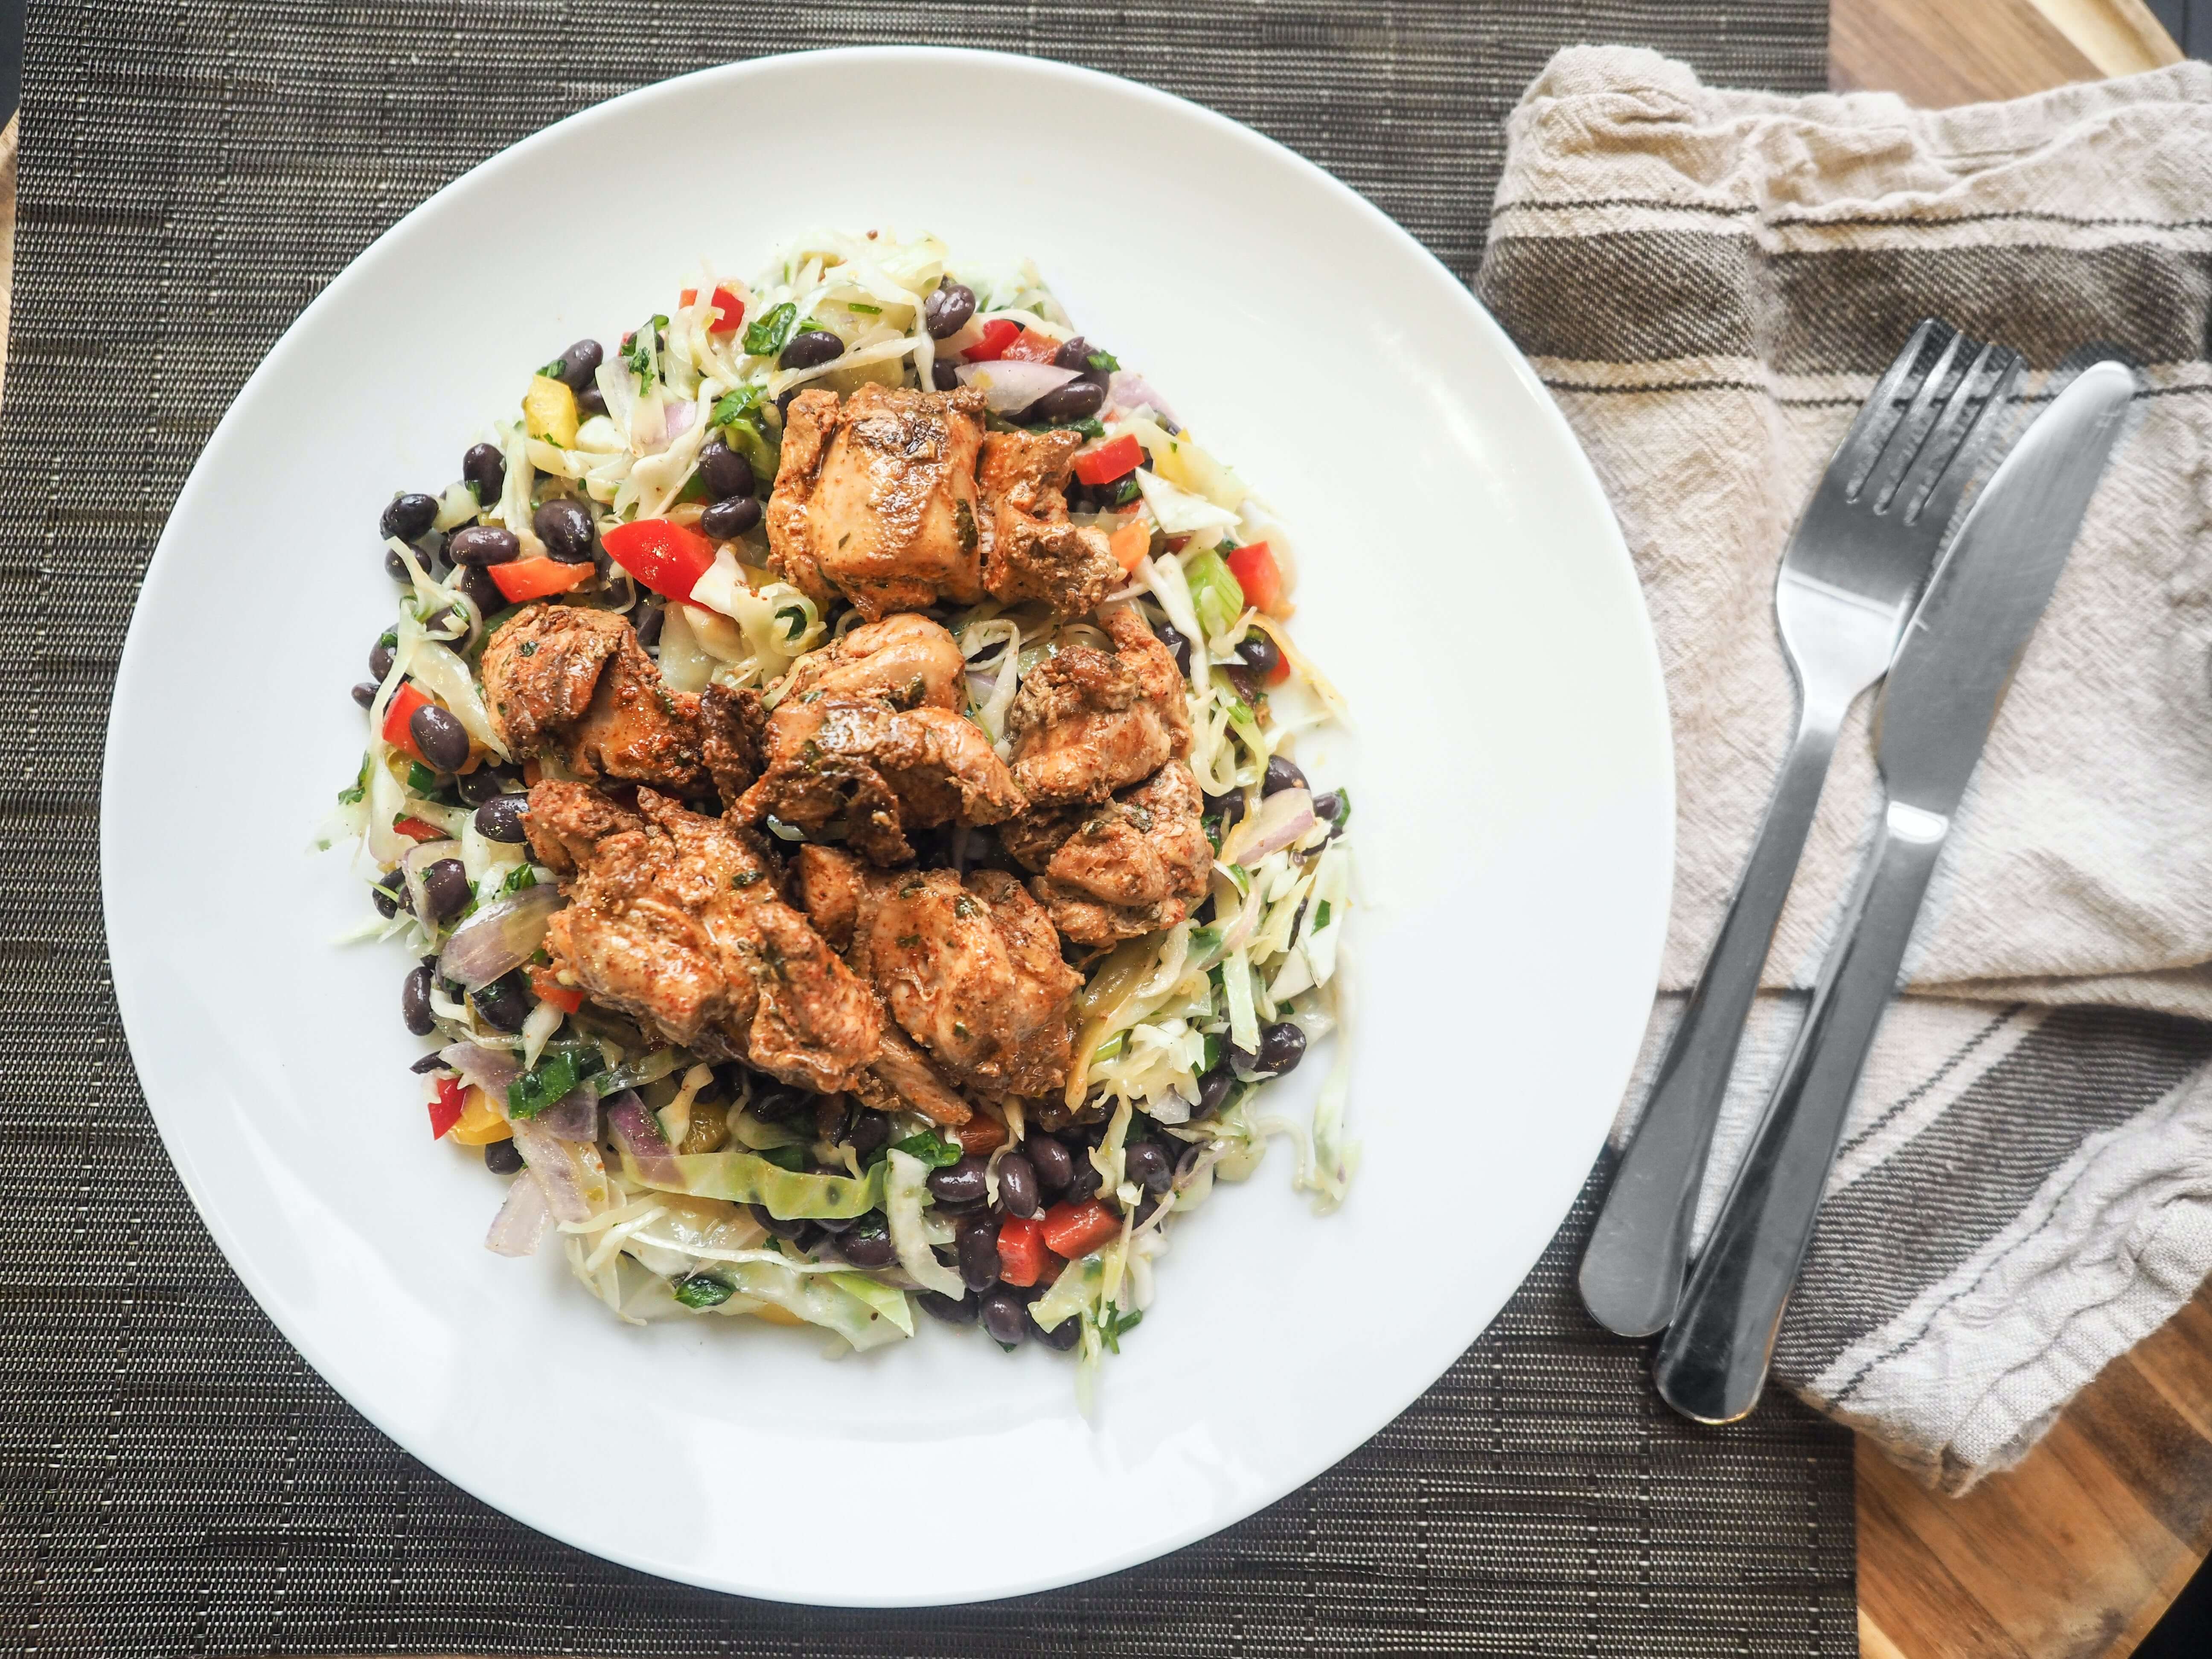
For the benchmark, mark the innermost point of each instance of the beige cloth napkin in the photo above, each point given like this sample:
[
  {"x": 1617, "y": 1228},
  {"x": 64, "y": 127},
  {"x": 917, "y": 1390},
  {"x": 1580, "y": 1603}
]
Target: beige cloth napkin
[{"x": 1710, "y": 282}]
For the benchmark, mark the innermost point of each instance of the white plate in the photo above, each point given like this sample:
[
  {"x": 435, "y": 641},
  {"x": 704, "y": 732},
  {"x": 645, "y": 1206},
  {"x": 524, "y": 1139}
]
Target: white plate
[{"x": 1462, "y": 580}]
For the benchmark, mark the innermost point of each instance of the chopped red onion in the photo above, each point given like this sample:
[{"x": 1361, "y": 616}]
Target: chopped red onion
[
  {"x": 575, "y": 1115},
  {"x": 639, "y": 1131},
  {"x": 1282, "y": 818},
  {"x": 521, "y": 1221},
  {"x": 555, "y": 1166},
  {"x": 1126, "y": 390},
  {"x": 489, "y": 1069},
  {"x": 500, "y": 938},
  {"x": 1008, "y": 386}
]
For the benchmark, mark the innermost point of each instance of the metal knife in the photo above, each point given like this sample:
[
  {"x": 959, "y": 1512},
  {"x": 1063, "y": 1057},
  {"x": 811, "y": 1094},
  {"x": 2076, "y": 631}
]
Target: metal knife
[{"x": 1937, "y": 706}]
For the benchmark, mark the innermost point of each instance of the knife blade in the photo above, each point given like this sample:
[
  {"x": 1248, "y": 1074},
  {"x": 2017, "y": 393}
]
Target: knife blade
[{"x": 1938, "y": 703}]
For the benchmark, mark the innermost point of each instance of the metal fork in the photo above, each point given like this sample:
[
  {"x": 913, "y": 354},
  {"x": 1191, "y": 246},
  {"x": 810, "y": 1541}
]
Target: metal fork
[{"x": 1857, "y": 559}]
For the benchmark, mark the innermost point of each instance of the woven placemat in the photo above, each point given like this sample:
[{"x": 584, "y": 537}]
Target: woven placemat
[{"x": 173, "y": 1479}]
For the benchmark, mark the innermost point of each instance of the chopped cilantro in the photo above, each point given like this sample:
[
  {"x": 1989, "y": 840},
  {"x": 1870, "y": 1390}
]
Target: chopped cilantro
[
  {"x": 769, "y": 333},
  {"x": 1114, "y": 1324},
  {"x": 930, "y": 1148},
  {"x": 521, "y": 877},
  {"x": 1126, "y": 491},
  {"x": 544, "y": 1083},
  {"x": 747, "y": 877},
  {"x": 359, "y": 792},
  {"x": 792, "y": 1158},
  {"x": 733, "y": 406},
  {"x": 420, "y": 779},
  {"x": 640, "y": 345},
  {"x": 1105, "y": 362},
  {"x": 793, "y": 620},
  {"x": 552, "y": 370},
  {"x": 856, "y": 305},
  {"x": 703, "y": 1291},
  {"x": 1321, "y": 916}
]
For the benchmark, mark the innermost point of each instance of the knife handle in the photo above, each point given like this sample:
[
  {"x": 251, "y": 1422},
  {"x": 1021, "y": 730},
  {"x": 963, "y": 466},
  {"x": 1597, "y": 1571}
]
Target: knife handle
[
  {"x": 1633, "y": 1267},
  {"x": 1712, "y": 1362}
]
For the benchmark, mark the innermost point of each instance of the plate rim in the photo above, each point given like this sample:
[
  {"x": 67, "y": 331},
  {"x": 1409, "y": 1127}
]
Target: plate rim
[{"x": 133, "y": 668}]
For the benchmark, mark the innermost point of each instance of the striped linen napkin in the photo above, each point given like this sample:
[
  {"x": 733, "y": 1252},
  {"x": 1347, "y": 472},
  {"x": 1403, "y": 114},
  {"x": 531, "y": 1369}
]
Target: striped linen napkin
[{"x": 1710, "y": 282}]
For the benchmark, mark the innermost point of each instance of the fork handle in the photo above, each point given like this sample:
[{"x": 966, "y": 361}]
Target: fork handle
[
  {"x": 1633, "y": 1268},
  {"x": 1712, "y": 1362}
]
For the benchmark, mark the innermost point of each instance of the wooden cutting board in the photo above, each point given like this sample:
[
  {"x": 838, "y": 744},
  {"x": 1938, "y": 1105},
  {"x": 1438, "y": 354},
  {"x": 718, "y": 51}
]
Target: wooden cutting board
[{"x": 2074, "y": 1553}]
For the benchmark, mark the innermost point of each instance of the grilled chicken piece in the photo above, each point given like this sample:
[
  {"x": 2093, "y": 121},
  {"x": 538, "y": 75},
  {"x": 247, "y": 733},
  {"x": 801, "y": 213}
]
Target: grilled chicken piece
[
  {"x": 575, "y": 683},
  {"x": 831, "y": 755},
  {"x": 909, "y": 661},
  {"x": 1134, "y": 865},
  {"x": 971, "y": 970},
  {"x": 1086, "y": 723},
  {"x": 875, "y": 499},
  {"x": 1033, "y": 551},
  {"x": 674, "y": 919},
  {"x": 732, "y": 725}
]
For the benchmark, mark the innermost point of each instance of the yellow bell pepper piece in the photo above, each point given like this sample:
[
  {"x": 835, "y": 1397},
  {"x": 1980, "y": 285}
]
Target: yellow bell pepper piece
[
  {"x": 480, "y": 1123},
  {"x": 548, "y": 410},
  {"x": 777, "y": 1315}
]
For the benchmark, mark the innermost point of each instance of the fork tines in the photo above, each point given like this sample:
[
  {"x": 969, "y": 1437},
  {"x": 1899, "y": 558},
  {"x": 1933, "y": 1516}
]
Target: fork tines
[{"x": 1913, "y": 448}]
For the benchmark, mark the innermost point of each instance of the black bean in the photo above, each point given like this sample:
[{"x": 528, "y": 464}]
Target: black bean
[
  {"x": 504, "y": 1003},
  {"x": 1054, "y": 1164},
  {"x": 386, "y": 903},
  {"x": 432, "y": 1061},
  {"x": 943, "y": 376},
  {"x": 483, "y": 545},
  {"x": 1062, "y": 1336},
  {"x": 446, "y": 888},
  {"x": 725, "y": 471},
  {"x": 450, "y": 624},
  {"x": 480, "y": 590},
  {"x": 1063, "y": 405},
  {"x": 1171, "y": 636},
  {"x": 579, "y": 364},
  {"x": 836, "y": 1224},
  {"x": 978, "y": 1253},
  {"x": 1017, "y": 1185},
  {"x": 1145, "y": 1162},
  {"x": 503, "y": 1157},
  {"x": 866, "y": 1130},
  {"x": 408, "y": 517},
  {"x": 796, "y": 1229},
  {"x": 1282, "y": 774},
  {"x": 779, "y": 1105},
  {"x": 869, "y": 1245},
  {"x": 1006, "y": 1317},
  {"x": 1228, "y": 808},
  {"x": 947, "y": 309},
  {"x": 1243, "y": 680},
  {"x": 1213, "y": 1091},
  {"x": 415, "y": 1002},
  {"x": 380, "y": 656},
  {"x": 591, "y": 401},
  {"x": 1073, "y": 354},
  {"x": 958, "y": 1183},
  {"x": 1084, "y": 1182},
  {"x": 1261, "y": 654},
  {"x": 501, "y": 817},
  {"x": 483, "y": 469},
  {"x": 648, "y": 624},
  {"x": 396, "y": 567},
  {"x": 939, "y": 1306},
  {"x": 728, "y": 519},
  {"x": 443, "y": 739},
  {"x": 365, "y": 693},
  {"x": 564, "y": 525},
  {"x": 476, "y": 787},
  {"x": 1330, "y": 806},
  {"x": 811, "y": 349},
  {"x": 1282, "y": 1046}
]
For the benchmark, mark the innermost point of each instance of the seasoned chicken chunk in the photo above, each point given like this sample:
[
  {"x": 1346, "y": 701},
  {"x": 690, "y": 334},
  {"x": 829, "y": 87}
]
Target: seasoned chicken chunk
[
  {"x": 1033, "y": 551},
  {"x": 575, "y": 683},
  {"x": 909, "y": 661},
  {"x": 875, "y": 498},
  {"x": 1087, "y": 722},
  {"x": 969, "y": 970},
  {"x": 1134, "y": 865},
  {"x": 730, "y": 726},
  {"x": 675, "y": 919},
  {"x": 881, "y": 769}
]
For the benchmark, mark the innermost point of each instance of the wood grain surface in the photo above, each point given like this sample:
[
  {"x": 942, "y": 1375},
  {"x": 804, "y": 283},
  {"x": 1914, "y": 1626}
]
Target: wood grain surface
[{"x": 2074, "y": 1553}]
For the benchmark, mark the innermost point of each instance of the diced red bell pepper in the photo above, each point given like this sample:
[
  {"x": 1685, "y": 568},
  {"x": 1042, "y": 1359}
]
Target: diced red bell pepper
[
  {"x": 521, "y": 580},
  {"x": 1021, "y": 1251},
  {"x": 1076, "y": 1229},
  {"x": 1027, "y": 348},
  {"x": 397, "y": 714},
  {"x": 1253, "y": 566},
  {"x": 998, "y": 335},
  {"x": 546, "y": 988},
  {"x": 1110, "y": 461},
  {"x": 446, "y": 1108},
  {"x": 666, "y": 557},
  {"x": 729, "y": 310},
  {"x": 981, "y": 1136},
  {"x": 415, "y": 829}
]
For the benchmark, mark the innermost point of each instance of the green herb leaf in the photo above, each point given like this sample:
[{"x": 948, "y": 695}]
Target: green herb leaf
[
  {"x": 1114, "y": 1324},
  {"x": 359, "y": 792},
  {"x": 856, "y": 305},
  {"x": 737, "y": 405},
  {"x": 1105, "y": 362},
  {"x": 793, "y": 620},
  {"x": 521, "y": 877},
  {"x": 703, "y": 1291},
  {"x": 793, "y": 1159},
  {"x": 552, "y": 370},
  {"x": 1321, "y": 916},
  {"x": 420, "y": 779},
  {"x": 1126, "y": 491},
  {"x": 546, "y": 1082},
  {"x": 769, "y": 333},
  {"x": 1212, "y": 1052},
  {"x": 930, "y": 1148},
  {"x": 1090, "y": 426}
]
